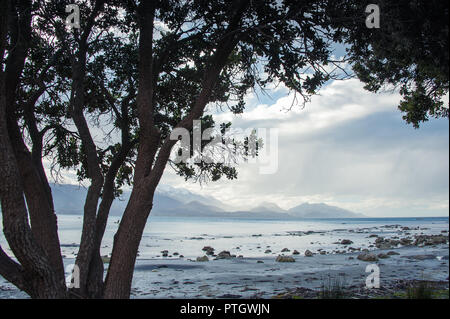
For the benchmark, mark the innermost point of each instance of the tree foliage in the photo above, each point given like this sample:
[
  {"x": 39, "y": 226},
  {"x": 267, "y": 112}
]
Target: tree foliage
[{"x": 410, "y": 52}]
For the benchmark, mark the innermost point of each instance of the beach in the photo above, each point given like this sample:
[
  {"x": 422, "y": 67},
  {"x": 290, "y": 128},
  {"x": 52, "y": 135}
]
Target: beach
[{"x": 208, "y": 258}]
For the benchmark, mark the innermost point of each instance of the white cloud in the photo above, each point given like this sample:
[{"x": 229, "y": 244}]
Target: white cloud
[{"x": 349, "y": 148}]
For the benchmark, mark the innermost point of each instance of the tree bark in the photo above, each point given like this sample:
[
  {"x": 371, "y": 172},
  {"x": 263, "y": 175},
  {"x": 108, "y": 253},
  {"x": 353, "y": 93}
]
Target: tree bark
[{"x": 43, "y": 267}]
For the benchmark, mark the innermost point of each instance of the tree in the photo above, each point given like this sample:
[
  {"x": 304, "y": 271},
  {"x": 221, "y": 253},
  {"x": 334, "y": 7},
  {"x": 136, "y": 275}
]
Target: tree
[
  {"x": 409, "y": 51},
  {"x": 141, "y": 70}
]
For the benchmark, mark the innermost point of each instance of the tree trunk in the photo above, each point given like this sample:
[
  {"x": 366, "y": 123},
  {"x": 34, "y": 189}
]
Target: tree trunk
[{"x": 126, "y": 242}]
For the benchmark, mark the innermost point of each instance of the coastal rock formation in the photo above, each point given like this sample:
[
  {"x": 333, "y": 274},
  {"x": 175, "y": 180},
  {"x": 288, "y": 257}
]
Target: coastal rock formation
[{"x": 428, "y": 240}]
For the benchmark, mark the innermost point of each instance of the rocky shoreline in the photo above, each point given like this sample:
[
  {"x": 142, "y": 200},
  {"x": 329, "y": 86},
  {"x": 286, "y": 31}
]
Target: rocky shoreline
[{"x": 406, "y": 257}]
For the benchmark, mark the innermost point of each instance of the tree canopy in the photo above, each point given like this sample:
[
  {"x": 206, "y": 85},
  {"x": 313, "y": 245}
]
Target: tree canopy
[{"x": 408, "y": 52}]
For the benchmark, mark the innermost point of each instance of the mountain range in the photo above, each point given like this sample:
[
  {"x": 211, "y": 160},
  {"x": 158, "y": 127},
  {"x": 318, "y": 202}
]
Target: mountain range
[{"x": 175, "y": 202}]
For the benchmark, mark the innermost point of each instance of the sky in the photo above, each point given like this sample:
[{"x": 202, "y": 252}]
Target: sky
[{"x": 347, "y": 147}]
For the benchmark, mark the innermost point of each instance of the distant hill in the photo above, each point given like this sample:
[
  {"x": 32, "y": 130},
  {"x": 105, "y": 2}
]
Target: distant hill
[
  {"x": 176, "y": 202},
  {"x": 321, "y": 210}
]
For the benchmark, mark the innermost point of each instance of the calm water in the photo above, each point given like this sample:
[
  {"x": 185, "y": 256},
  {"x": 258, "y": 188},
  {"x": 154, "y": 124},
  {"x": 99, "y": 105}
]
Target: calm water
[{"x": 250, "y": 238}]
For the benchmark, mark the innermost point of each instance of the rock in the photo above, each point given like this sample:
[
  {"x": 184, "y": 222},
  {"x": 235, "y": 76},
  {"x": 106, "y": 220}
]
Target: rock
[
  {"x": 209, "y": 250},
  {"x": 175, "y": 254},
  {"x": 284, "y": 250},
  {"x": 295, "y": 252},
  {"x": 165, "y": 253},
  {"x": 405, "y": 241},
  {"x": 224, "y": 255},
  {"x": 383, "y": 256},
  {"x": 203, "y": 259},
  {"x": 260, "y": 262},
  {"x": 351, "y": 258},
  {"x": 373, "y": 235},
  {"x": 367, "y": 257},
  {"x": 392, "y": 253},
  {"x": 285, "y": 259},
  {"x": 308, "y": 253},
  {"x": 268, "y": 251},
  {"x": 428, "y": 240},
  {"x": 323, "y": 252},
  {"x": 346, "y": 242}
]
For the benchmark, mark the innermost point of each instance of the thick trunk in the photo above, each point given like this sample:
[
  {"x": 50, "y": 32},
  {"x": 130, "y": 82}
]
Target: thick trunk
[
  {"x": 36, "y": 249},
  {"x": 41, "y": 279},
  {"x": 126, "y": 242},
  {"x": 42, "y": 216}
]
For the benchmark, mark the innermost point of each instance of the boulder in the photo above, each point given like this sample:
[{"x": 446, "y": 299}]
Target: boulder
[
  {"x": 346, "y": 242},
  {"x": 308, "y": 253},
  {"x": 209, "y": 250},
  {"x": 285, "y": 259},
  {"x": 203, "y": 259},
  {"x": 224, "y": 255}
]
